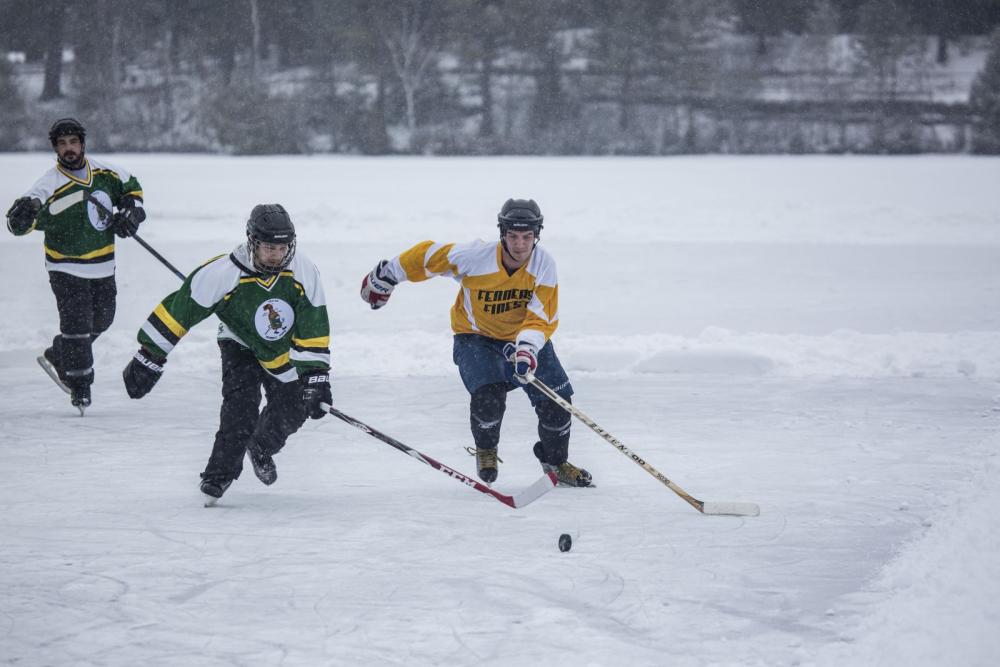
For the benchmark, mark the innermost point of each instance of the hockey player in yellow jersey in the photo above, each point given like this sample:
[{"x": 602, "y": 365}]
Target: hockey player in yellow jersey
[{"x": 503, "y": 318}]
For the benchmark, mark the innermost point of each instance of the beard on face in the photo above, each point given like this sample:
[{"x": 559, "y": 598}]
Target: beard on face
[{"x": 72, "y": 159}]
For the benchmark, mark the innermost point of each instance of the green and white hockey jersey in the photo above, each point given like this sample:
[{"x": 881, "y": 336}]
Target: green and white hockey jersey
[
  {"x": 281, "y": 319},
  {"x": 78, "y": 240}
]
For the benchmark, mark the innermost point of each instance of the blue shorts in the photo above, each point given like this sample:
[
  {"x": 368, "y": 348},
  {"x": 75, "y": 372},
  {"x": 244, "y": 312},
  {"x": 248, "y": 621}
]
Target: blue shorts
[{"x": 481, "y": 361}]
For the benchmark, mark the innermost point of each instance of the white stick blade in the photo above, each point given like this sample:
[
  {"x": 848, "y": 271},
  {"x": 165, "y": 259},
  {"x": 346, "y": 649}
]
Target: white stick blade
[
  {"x": 731, "y": 509},
  {"x": 543, "y": 485}
]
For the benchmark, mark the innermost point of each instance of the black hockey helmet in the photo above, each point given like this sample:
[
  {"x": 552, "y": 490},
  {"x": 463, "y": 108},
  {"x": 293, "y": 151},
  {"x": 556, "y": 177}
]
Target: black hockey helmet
[
  {"x": 270, "y": 223},
  {"x": 520, "y": 215},
  {"x": 65, "y": 127}
]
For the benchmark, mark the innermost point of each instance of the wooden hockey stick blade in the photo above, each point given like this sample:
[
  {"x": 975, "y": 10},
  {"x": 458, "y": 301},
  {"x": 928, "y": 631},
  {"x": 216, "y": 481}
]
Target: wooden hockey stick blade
[
  {"x": 717, "y": 509},
  {"x": 731, "y": 509}
]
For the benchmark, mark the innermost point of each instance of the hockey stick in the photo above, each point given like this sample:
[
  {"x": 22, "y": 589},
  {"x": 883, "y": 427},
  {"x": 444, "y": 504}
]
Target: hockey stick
[
  {"x": 529, "y": 495},
  {"x": 107, "y": 215},
  {"x": 735, "y": 509}
]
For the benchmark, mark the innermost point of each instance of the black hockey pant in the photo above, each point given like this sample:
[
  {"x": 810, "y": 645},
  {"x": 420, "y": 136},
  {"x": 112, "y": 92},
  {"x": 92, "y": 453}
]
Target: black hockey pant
[
  {"x": 486, "y": 410},
  {"x": 241, "y": 418},
  {"x": 86, "y": 309}
]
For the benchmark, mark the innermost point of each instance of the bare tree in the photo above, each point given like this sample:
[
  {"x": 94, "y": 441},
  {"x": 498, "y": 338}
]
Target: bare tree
[
  {"x": 886, "y": 41},
  {"x": 985, "y": 102},
  {"x": 409, "y": 31},
  {"x": 255, "y": 26},
  {"x": 52, "y": 88}
]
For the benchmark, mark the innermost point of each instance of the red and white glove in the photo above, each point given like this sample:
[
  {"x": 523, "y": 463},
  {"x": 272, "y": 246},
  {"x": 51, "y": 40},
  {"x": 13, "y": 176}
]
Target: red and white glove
[
  {"x": 377, "y": 286},
  {"x": 525, "y": 362}
]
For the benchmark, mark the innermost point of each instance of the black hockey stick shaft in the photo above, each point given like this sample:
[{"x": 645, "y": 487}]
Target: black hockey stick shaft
[
  {"x": 107, "y": 212},
  {"x": 521, "y": 500},
  {"x": 159, "y": 257}
]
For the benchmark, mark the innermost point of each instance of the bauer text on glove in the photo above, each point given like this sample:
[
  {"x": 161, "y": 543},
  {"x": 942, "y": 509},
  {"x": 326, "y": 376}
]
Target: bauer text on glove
[
  {"x": 142, "y": 373},
  {"x": 315, "y": 392}
]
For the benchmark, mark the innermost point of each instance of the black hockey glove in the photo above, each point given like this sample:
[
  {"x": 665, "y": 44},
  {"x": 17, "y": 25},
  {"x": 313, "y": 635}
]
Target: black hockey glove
[
  {"x": 22, "y": 214},
  {"x": 142, "y": 373},
  {"x": 316, "y": 390},
  {"x": 126, "y": 221}
]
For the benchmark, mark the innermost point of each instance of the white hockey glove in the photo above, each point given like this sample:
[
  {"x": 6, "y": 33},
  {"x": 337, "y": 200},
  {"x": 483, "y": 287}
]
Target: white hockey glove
[
  {"x": 377, "y": 286},
  {"x": 525, "y": 361}
]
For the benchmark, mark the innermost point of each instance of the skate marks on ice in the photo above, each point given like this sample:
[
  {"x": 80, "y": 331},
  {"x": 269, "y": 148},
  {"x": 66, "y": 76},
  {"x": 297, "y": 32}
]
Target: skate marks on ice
[{"x": 357, "y": 551}]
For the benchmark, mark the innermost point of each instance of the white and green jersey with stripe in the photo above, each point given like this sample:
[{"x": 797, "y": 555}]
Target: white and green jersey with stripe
[
  {"x": 78, "y": 239},
  {"x": 281, "y": 318}
]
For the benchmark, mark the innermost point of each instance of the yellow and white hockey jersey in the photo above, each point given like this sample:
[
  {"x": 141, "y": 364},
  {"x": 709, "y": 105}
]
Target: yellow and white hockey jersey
[{"x": 522, "y": 307}]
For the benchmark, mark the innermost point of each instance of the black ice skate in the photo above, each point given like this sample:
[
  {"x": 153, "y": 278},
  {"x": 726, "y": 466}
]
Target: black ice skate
[
  {"x": 48, "y": 363},
  {"x": 80, "y": 397},
  {"x": 569, "y": 475},
  {"x": 263, "y": 463},
  {"x": 213, "y": 489}
]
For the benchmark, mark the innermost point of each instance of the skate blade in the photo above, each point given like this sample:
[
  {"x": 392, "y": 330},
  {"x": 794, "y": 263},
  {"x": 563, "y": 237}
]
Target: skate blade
[
  {"x": 210, "y": 501},
  {"x": 50, "y": 370},
  {"x": 81, "y": 406},
  {"x": 563, "y": 485}
]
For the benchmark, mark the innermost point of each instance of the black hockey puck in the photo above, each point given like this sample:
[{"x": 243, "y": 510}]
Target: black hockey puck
[{"x": 565, "y": 542}]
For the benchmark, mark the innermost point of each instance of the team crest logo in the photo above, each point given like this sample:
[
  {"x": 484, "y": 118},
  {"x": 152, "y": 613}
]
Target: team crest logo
[
  {"x": 273, "y": 319},
  {"x": 99, "y": 219}
]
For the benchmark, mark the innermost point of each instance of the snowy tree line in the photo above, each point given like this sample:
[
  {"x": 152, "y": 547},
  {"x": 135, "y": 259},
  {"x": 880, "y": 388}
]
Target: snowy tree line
[{"x": 501, "y": 76}]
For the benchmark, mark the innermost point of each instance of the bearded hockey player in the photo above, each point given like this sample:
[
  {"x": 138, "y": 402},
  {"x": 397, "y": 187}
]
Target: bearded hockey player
[
  {"x": 274, "y": 333},
  {"x": 503, "y": 318},
  {"x": 70, "y": 203}
]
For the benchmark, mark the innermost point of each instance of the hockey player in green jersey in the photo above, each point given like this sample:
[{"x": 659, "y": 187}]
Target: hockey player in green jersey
[
  {"x": 506, "y": 310},
  {"x": 274, "y": 333},
  {"x": 79, "y": 248}
]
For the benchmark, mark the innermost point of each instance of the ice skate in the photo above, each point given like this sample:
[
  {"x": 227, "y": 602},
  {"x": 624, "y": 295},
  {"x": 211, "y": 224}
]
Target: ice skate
[
  {"x": 80, "y": 397},
  {"x": 569, "y": 475},
  {"x": 213, "y": 489},
  {"x": 486, "y": 464},
  {"x": 263, "y": 463}
]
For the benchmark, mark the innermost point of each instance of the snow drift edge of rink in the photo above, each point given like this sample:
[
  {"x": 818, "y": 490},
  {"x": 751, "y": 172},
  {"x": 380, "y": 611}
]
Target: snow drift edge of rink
[
  {"x": 937, "y": 596},
  {"x": 715, "y": 351}
]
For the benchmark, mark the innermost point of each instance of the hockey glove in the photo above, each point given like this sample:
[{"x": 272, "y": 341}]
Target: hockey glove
[
  {"x": 377, "y": 286},
  {"x": 525, "y": 361},
  {"x": 22, "y": 214},
  {"x": 142, "y": 373},
  {"x": 126, "y": 221},
  {"x": 316, "y": 390}
]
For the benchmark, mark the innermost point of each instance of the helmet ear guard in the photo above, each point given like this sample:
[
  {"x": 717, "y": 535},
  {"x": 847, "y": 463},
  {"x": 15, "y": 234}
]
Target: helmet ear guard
[{"x": 270, "y": 223}]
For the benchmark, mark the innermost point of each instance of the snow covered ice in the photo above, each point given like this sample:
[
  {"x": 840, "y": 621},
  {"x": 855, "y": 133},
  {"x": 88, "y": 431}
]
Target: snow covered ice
[{"x": 818, "y": 335}]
